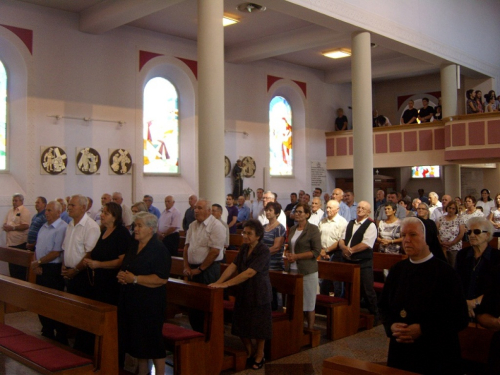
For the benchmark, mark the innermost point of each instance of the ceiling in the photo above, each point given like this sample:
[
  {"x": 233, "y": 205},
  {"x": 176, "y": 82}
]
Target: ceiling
[{"x": 283, "y": 32}]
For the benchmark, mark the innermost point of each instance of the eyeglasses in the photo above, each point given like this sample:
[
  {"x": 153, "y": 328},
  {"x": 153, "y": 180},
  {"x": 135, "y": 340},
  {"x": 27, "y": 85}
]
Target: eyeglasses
[
  {"x": 422, "y": 208},
  {"x": 477, "y": 232}
]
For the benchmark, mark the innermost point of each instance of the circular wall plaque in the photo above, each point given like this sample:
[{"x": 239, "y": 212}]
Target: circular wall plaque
[
  {"x": 54, "y": 160},
  {"x": 88, "y": 160},
  {"x": 249, "y": 166},
  {"x": 120, "y": 161},
  {"x": 227, "y": 166}
]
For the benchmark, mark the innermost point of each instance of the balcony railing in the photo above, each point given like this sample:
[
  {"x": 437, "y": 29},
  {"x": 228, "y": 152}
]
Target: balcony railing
[{"x": 464, "y": 139}]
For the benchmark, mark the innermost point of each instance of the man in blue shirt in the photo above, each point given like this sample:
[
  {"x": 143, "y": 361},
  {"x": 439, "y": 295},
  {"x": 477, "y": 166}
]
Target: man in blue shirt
[
  {"x": 148, "y": 199},
  {"x": 47, "y": 265},
  {"x": 36, "y": 222},
  {"x": 243, "y": 212}
]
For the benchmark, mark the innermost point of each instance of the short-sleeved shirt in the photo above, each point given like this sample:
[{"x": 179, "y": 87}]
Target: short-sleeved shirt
[
  {"x": 370, "y": 235},
  {"x": 205, "y": 235},
  {"x": 15, "y": 217},
  {"x": 257, "y": 207},
  {"x": 409, "y": 114},
  {"x": 153, "y": 210},
  {"x": 316, "y": 217},
  {"x": 339, "y": 122},
  {"x": 79, "y": 240},
  {"x": 332, "y": 230},
  {"x": 231, "y": 213},
  {"x": 36, "y": 223},
  {"x": 426, "y": 112},
  {"x": 50, "y": 238},
  {"x": 390, "y": 231},
  {"x": 169, "y": 218},
  {"x": 277, "y": 262},
  {"x": 243, "y": 213},
  {"x": 255, "y": 291}
]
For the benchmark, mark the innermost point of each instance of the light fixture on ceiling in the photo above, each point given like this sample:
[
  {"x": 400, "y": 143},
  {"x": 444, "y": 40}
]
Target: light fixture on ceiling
[
  {"x": 337, "y": 53},
  {"x": 250, "y": 8},
  {"x": 227, "y": 21}
]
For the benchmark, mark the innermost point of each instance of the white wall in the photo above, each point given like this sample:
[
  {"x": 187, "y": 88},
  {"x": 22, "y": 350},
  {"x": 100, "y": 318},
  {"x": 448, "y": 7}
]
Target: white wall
[{"x": 76, "y": 74}]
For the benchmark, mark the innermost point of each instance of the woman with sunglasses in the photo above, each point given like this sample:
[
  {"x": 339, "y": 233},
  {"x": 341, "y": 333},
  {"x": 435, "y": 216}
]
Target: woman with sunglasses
[
  {"x": 474, "y": 263},
  {"x": 494, "y": 216},
  {"x": 451, "y": 230}
]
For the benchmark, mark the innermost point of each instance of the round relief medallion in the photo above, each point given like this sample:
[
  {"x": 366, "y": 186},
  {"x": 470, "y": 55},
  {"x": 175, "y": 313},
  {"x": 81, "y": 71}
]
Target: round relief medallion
[
  {"x": 120, "y": 161},
  {"x": 249, "y": 166},
  {"x": 54, "y": 160},
  {"x": 88, "y": 160}
]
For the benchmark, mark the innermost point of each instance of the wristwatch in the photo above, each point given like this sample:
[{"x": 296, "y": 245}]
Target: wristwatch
[
  {"x": 135, "y": 280},
  {"x": 199, "y": 269}
]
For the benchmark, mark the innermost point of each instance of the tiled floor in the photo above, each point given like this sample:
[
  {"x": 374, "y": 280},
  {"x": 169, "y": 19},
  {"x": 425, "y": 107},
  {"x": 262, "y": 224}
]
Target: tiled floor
[{"x": 367, "y": 345}]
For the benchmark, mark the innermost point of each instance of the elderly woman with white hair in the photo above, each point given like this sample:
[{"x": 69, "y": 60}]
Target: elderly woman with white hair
[
  {"x": 144, "y": 274},
  {"x": 474, "y": 263}
]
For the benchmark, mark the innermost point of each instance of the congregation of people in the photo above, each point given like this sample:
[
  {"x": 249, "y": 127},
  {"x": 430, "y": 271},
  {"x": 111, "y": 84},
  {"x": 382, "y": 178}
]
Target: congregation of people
[
  {"x": 475, "y": 103},
  {"x": 122, "y": 256}
]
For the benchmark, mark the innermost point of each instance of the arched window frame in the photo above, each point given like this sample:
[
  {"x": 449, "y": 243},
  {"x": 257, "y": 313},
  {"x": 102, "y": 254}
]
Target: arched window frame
[
  {"x": 281, "y": 155},
  {"x": 153, "y": 145}
]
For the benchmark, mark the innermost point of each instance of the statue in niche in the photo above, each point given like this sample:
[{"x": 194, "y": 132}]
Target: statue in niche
[{"x": 237, "y": 179}]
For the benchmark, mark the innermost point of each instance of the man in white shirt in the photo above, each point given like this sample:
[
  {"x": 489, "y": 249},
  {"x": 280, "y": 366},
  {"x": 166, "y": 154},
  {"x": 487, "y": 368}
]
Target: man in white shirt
[
  {"x": 316, "y": 211},
  {"x": 203, "y": 252},
  {"x": 81, "y": 237},
  {"x": 433, "y": 202},
  {"x": 357, "y": 248},
  {"x": 332, "y": 229},
  {"x": 16, "y": 225},
  {"x": 437, "y": 212}
]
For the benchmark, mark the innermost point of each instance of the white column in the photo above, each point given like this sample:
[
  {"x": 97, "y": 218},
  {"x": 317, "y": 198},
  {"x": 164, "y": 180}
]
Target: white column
[
  {"x": 362, "y": 116},
  {"x": 211, "y": 100},
  {"x": 449, "y": 89}
]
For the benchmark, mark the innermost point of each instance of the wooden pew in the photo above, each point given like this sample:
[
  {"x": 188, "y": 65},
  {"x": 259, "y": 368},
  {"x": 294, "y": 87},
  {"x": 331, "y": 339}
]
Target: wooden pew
[
  {"x": 231, "y": 256},
  {"x": 342, "y": 314},
  {"x": 20, "y": 258},
  {"x": 384, "y": 261},
  {"x": 194, "y": 352},
  {"x": 344, "y": 366},
  {"x": 85, "y": 314},
  {"x": 475, "y": 344},
  {"x": 235, "y": 240},
  {"x": 288, "y": 326}
]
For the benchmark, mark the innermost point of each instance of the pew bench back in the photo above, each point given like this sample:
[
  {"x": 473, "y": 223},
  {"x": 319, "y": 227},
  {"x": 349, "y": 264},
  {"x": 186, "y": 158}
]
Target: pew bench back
[{"x": 85, "y": 314}]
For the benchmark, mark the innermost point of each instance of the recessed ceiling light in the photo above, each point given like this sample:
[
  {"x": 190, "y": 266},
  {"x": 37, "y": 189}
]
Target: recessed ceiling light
[
  {"x": 227, "y": 21},
  {"x": 250, "y": 8},
  {"x": 337, "y": 53}
]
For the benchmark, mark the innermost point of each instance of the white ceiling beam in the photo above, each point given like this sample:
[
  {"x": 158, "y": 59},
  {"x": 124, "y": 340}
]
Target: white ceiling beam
[
  {"x": 271, "y": 46},
  {"x": 110, "y": 14}
]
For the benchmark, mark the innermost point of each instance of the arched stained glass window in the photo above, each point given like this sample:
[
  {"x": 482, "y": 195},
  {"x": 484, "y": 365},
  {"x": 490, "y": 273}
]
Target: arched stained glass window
[
  {"x": 280, "y": 137},
  {"x": 161, "y": 127},
  {"x": 3, "y": 117}
]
